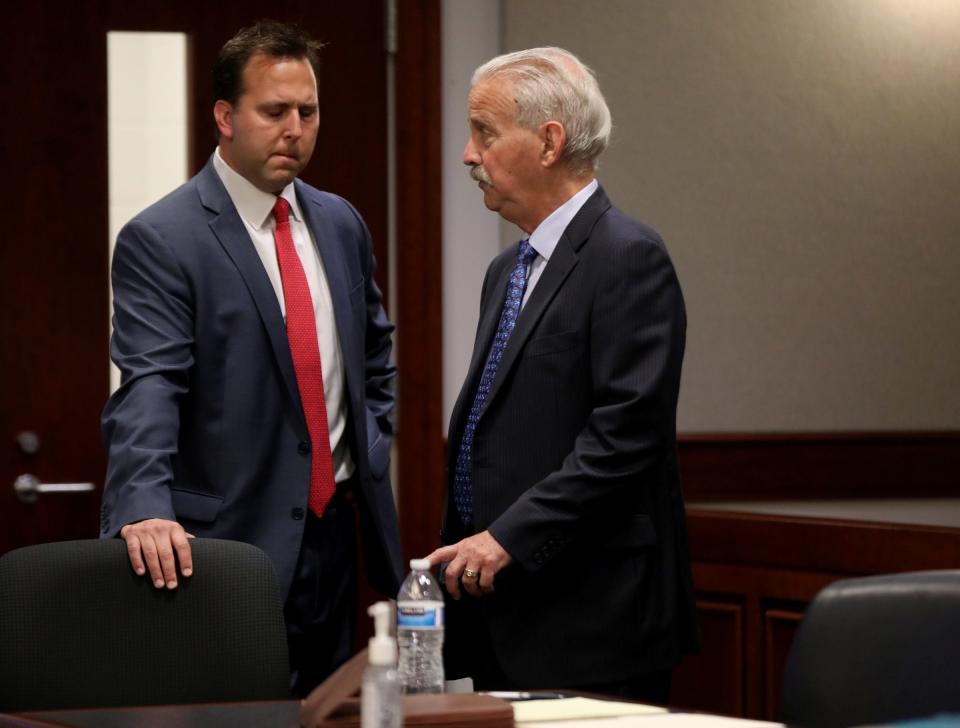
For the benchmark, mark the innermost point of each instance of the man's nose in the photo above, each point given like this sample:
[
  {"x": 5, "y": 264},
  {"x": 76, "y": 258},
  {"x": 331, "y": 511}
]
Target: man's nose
[
  {"x": 470, "y": 155},
  {"x": 294, "y": 127}
]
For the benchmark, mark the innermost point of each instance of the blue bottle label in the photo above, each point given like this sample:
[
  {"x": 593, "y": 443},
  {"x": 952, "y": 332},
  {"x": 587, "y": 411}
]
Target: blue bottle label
[{"x": 420, "y": 615}]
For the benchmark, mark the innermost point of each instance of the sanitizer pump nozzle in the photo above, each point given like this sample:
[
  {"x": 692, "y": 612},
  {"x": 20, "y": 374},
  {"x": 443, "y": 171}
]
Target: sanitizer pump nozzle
[{"x": 383, "y": 648}]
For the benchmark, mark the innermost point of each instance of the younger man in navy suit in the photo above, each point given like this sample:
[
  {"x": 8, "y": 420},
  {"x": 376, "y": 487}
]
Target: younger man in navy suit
[{"x": 255, "y": 357}]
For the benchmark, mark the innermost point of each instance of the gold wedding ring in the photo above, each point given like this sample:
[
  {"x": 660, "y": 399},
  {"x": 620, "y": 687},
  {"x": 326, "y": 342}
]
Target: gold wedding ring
[{"x": 470, "y": 573}]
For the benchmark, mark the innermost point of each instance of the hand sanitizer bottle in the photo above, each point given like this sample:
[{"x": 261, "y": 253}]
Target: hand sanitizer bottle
[{"x": 380, "y": 693}]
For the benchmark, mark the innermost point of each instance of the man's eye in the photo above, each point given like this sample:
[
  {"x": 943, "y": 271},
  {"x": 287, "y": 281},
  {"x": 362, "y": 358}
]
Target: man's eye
[{"x": 307, "y": 113}]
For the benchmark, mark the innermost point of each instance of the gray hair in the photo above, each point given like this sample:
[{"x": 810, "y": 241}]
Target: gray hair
[{"x": 551, "y": 84}]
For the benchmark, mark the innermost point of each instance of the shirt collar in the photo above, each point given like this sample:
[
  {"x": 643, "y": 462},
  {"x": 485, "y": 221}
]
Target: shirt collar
[
  {"x": 253, "y": 204},
  {"x": 545, "y": 238}
]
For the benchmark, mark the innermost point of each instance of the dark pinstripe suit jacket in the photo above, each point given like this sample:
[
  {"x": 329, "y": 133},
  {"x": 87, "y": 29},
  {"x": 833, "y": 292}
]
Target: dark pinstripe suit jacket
[{"x": 574, "y": 460}]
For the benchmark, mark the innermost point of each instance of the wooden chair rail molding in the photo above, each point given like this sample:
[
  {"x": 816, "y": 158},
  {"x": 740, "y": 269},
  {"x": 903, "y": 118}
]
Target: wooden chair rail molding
[
  {"x": 803, "y": 465},
  {"x": 819, "y": 465},
  {"x": 825, "y": 545}
]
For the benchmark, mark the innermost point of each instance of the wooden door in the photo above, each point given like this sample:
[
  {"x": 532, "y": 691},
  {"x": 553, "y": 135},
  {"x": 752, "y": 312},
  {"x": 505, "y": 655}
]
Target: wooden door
[{"x": 54, "y": 295}]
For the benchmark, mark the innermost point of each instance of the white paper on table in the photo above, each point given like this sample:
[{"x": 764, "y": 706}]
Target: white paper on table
[
  {"x": 701, "y": 720},
  {"x": 528, "y": 711},
  {"x": 658, "y": 718}
]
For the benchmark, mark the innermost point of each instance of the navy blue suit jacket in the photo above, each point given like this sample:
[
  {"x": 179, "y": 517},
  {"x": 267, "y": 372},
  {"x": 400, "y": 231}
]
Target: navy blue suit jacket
[
  {"x": 575, "y": 464},
  {"x": 207, "y": 426}
]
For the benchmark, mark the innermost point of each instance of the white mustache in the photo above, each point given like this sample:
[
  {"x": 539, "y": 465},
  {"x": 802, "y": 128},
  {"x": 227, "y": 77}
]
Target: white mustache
[{"x": 479, "y": 174}]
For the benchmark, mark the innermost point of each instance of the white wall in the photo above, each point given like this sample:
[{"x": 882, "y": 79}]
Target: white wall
[{"x": 147, "y": 126}]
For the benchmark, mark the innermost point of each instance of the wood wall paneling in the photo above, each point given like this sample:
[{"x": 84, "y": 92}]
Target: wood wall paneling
[
  {"x": 780, "y": 626},
  {"x": 758, "y": 589},
  {"x": 714, "y": 679},
  {"x": 774, "y": 566}
]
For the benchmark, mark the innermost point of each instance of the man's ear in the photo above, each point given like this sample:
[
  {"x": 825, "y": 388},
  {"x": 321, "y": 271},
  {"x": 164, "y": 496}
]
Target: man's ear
[
  {"x": 223, "y": 115},
  {"x": 553, "y": 138}
]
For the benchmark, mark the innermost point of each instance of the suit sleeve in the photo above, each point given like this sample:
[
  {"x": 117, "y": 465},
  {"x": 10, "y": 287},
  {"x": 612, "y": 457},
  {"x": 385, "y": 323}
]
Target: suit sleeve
[
  {"x": 379, "y": 368},
  {"x": 152, "y": 344},
  {"x": 637, "y": 328}
]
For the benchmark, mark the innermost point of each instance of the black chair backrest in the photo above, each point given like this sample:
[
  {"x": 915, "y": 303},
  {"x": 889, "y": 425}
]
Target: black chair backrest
[
  {"x": 79, "y": 629},
  {"x": 875, "y": 650}
]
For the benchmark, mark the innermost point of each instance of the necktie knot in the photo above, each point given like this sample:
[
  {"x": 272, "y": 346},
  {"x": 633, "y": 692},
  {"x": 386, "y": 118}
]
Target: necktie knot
[{"x": 281, "y": 211}]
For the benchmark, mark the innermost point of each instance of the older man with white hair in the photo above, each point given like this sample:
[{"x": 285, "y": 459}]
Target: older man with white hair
[{"x": 566, "y": 561}]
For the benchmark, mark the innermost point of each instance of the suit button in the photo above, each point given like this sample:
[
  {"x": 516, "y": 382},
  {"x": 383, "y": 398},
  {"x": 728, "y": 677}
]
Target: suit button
[
  {"x": 297, "y": 514},
  {"x": 304, "y": 447}
]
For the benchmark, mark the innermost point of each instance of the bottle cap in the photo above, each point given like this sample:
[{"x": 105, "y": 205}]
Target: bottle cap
[
  {"x": 382, "y": 647},
  {"x": 420, "y": 564}
]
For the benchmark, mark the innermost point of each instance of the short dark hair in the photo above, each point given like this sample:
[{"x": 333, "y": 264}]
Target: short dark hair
[{"x": 270, "y": 37}]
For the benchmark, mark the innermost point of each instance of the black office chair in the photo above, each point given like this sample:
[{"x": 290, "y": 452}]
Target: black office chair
[
  {"x": 875, "y": 650},
  {"x": 79, "y": 629}
]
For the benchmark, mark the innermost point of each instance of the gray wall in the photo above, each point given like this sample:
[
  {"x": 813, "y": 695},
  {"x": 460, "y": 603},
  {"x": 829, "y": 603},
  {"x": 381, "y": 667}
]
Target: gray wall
[
  {"x": 471, "y": 35},
  {"x": 802, "y": 160}
]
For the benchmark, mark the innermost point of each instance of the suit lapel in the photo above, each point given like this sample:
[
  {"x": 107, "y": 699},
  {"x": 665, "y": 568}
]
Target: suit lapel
[
  {"x": 563, "y": 260},
  {"x": 235, "y": 240}
]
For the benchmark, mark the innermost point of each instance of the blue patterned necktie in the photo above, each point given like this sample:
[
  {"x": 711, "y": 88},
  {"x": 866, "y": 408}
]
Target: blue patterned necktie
[{"x": 463, "y": 480}]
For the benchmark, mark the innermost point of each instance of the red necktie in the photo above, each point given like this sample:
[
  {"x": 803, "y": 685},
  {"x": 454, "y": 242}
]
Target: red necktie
[{"x": 302, "y": 335}]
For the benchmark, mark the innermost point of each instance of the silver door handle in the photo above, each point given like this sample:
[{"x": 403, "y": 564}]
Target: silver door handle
[{"x": 28, "y": 488}]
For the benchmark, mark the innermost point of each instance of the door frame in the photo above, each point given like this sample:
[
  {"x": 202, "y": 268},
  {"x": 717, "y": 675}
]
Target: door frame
[{"x": 418, "y": 266}]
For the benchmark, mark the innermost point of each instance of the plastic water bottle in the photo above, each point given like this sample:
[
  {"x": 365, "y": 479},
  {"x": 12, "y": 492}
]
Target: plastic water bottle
[
  {"x": 420, "y": 631},
  {"x": 380, "y": 694}
]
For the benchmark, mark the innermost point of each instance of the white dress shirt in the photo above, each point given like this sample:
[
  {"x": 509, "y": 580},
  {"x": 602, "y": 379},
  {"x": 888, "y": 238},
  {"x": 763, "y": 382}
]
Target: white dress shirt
[
  {"x": 545, "y": 238},
  {"x": 255, "y": 208}
]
